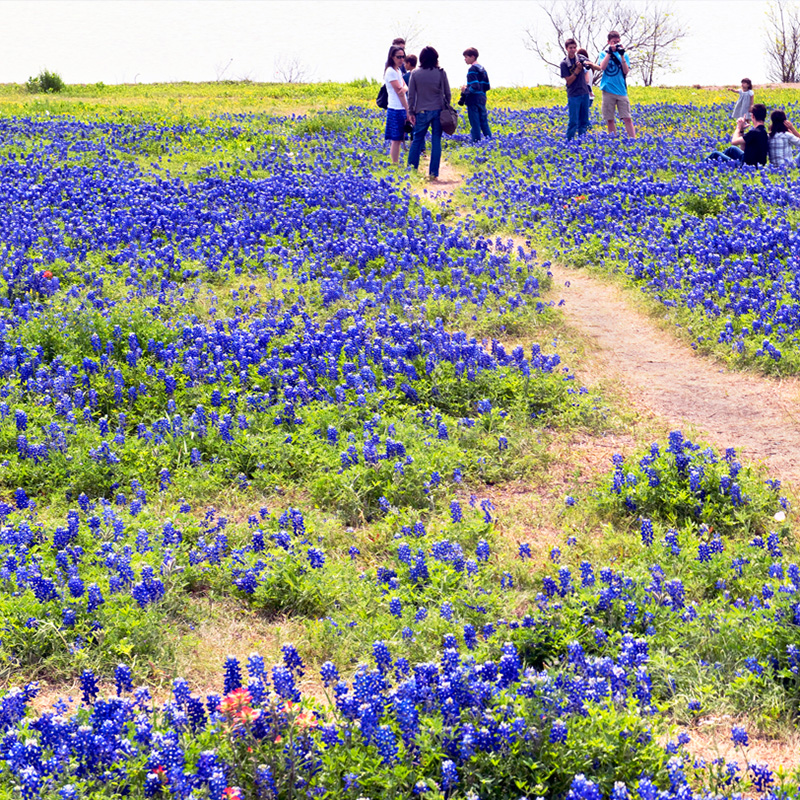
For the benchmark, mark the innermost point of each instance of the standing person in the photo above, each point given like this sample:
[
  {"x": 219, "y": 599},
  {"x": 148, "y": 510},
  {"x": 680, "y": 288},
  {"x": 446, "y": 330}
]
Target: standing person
[
  {"x": 614, "y": 85},
  {"x": 475, "y": 96},
  {"x": 745, "y": 101},
  {"x": 783, "y": 141},
  {"x": 749, "y": 148},
  {"x": 399, "y": 41},
  {"x": 398, "y": 102},
  {"x": 589, "y": 74},
  {"x": 428, "y": 91},
  {"x": 411, "y": 65},
  {"x": 573, "y": 70}
]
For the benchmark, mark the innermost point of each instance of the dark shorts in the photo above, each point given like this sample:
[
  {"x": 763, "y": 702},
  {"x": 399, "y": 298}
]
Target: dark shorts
[{"x": 395, "y": 122}]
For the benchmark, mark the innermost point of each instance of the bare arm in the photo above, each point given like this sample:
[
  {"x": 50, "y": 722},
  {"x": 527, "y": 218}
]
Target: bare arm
[
  {"x": 791, "y": 128},
  {"x": 400, "y": 88},
  {"x": 738, "y": 134}
]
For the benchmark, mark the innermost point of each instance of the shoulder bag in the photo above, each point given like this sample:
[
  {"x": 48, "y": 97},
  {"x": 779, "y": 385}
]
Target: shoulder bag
[{"x": 448, "y": 116}]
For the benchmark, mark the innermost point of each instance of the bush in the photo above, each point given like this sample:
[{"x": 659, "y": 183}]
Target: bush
[{"x": 46, "y": 82}]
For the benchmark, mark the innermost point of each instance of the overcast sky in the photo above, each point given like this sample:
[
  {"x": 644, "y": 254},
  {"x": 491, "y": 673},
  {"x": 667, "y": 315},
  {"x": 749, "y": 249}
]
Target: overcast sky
[{"x": 145, "y": 41}]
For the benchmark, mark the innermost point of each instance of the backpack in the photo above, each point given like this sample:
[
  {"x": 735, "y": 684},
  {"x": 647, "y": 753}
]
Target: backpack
[{"x": 382, "y": 100}]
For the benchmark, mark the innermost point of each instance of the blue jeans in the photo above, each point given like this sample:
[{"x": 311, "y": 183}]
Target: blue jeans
[
  {"x": 578, "y": 108},
  {"x": 733, "y": 153},
  {"x": 423, "y": 121},
  {"x": 478, "y": 121}
]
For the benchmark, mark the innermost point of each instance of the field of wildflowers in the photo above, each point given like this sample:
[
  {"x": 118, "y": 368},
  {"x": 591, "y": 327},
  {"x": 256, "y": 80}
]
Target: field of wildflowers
[{"x": 243, "y": 360}]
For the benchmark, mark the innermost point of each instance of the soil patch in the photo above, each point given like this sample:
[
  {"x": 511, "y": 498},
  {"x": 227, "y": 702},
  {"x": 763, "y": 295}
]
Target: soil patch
[{"x": 757, "y": 415}]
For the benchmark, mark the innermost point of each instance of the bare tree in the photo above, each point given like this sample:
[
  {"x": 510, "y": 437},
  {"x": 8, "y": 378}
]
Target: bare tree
[
  {"x": 649, "y": 31},
  {"x": 658, "y": 33},
  {"x": 289, "y": 69},
  {"x": 409, "y": 28},
  {"x": 783, "y": 42},
  {"x": 220, "y": 70}
]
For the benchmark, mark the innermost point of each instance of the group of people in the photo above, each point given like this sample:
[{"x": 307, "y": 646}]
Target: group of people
[
  {"x": 753, "y": 145},
  {"x": 416, "y": 98},
  {"x": 578, "y": 71},
  {"x": 417, "y": 95},
  {"x": 750, "y": 142}
]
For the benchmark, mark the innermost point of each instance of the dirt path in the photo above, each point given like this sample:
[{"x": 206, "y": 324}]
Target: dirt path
[{"x": 758, "y": 416}]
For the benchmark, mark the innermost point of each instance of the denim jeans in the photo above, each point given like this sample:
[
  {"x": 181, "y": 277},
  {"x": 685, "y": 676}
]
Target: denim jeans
[
  {"x": 733, "y": 153},
  {"x": 425, "y": 120},
  {"x": 478, "y": 121},
  {"x": 578, "y": 108}
]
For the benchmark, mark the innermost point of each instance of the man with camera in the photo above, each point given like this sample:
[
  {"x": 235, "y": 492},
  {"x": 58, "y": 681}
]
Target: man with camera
[
  {"x": 573, "y": 68},
  {"x": 615, "y": 65}
]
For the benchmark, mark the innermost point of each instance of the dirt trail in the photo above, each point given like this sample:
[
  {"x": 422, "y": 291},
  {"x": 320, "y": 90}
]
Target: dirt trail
[{"x": 758, "y": 416}]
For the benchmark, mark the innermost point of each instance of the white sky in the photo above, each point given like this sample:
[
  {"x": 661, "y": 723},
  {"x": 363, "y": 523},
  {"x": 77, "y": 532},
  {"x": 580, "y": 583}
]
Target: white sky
[{"x": 146, "y": 41}]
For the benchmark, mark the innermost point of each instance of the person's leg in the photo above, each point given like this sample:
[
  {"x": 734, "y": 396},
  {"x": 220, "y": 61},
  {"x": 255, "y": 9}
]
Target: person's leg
[
  {"x": 629, "y": 129},
  {"x": 420, "y": 129},
  {"x": 734, "y": 153},
  {"x": 573, "y": 104},
  {"x": 484, "y": 120},
  {"x": 394, "y": 151},
  {"x": 583, "y": 115},
  {"x": 608, "y": 109},
  {"x": 624, "y": 106},
  {"x": 436, "y": 143},
  {"x": 717, "y": 156},
  {"x": 474, "y": 123}
]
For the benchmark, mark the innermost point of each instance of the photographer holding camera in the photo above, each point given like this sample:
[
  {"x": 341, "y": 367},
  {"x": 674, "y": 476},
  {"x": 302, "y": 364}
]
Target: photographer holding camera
[
  {"x": 614, "y": 85},
  {"x": 573, "y": 69}
]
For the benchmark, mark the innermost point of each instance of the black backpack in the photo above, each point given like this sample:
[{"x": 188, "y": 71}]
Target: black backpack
[{"x": 382, "y": 100}]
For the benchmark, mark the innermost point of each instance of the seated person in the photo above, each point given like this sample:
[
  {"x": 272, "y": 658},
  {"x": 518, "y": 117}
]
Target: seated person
[
  {"x": 748, "y": 148},
  {"x": 783, "y": 139}
]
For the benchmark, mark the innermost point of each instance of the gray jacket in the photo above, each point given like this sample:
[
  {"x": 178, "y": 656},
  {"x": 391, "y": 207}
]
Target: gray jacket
[{"x": 426, "y": 88}]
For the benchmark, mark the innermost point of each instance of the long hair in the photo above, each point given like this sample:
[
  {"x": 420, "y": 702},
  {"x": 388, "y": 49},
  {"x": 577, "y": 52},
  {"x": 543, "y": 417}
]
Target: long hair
[
  {"x": 393, "y": 51},
  {"x": 428, "y": 58},
  {"x": 777, "y": 123}
]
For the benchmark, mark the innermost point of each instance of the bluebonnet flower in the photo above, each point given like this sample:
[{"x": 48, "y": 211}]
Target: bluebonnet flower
[
  {"x": 739, "y": 736},
  {"x": 89, "y": 688},
  {"x": 233, "y": 674}
]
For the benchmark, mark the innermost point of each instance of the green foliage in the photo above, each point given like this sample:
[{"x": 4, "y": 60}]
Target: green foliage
[
  {"x": 46, "y": 82},
  {"x": 688, "y": 484},
  {"x": 703, "y": 205},
  {"x": 322, "y": 123}
]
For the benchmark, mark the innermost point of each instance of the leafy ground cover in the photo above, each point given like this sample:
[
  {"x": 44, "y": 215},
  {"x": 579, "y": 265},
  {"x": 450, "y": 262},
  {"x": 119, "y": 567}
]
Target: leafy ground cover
[{"x": 243, "y": 361}]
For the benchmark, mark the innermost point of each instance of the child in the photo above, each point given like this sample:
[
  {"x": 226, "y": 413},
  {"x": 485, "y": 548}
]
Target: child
[{"x": 745, "y": 102}]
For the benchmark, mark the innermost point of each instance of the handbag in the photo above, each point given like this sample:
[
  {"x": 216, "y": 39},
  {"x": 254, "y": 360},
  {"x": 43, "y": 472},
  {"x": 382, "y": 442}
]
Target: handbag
[
  {"x": 448, "y": 116},
  {"x": 382, "y": 100}
]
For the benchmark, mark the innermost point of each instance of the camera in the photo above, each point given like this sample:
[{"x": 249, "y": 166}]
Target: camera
[{"x": 617, "y": 48}]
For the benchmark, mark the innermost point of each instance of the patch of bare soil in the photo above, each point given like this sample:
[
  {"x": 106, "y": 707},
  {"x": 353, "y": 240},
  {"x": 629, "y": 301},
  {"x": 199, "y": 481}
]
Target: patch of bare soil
[
  {"x": 759, "y": 416},
  {"x": 710, "y": 738},
  {"x": 444, "y": 186}
]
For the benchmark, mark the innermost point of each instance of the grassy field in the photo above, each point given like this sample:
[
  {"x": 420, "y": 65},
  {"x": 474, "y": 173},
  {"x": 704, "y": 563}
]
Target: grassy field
[{"x": 262, "y": 394}]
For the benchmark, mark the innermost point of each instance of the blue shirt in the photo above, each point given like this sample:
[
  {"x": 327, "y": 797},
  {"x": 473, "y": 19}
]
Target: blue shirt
[{"x": 612, "y": 79}]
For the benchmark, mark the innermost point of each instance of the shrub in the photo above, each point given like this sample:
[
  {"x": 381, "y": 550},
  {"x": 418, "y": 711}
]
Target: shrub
[{"x": 46, "y": 82}]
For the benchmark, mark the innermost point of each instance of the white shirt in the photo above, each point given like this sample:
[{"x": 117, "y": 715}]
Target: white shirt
[{"x": 390, "y": 75}]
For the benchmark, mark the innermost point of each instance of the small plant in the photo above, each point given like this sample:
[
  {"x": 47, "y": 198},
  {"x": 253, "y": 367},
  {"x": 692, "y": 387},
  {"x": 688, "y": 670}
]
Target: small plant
[
  {"x": 702, "y": 205},
  {"x": 45, "y": 82}
]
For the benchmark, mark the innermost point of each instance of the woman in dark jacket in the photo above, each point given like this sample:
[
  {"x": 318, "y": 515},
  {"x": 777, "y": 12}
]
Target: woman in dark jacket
[{"x": 428, "y": 90}]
